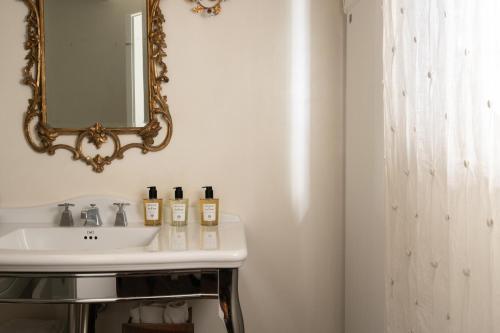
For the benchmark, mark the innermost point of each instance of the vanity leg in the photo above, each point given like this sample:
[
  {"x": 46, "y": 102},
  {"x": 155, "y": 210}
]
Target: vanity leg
[
  {"x": 229, "y": 300},
  {"x": 92, "y": 317},
  {"x": 72, "y": 321},
  {"x": 78, "y": 318},
  {"x": 84, "y": 318}
]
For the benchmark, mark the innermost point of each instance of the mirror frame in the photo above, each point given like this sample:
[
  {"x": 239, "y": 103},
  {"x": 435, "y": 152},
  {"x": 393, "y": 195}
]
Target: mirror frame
[{"x": 42, "y": 138}]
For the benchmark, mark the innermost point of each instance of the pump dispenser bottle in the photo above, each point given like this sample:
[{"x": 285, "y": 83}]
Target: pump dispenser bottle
[
  {"x": 209, "y": 208},
  {"x": 153, "y": 208},
  {"x": 209, "y": 219},
  {"x": 178, "y": 240},
  {"x": 179, "y": 208}
]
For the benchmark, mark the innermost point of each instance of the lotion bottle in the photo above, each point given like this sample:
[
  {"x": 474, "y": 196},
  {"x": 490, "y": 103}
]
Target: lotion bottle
[
  {"x": 209, "y": 219},
  {"x": 209, "y": 208},
  {"x": 179, "y": 209},
  {"x": 153, "y": 208}
]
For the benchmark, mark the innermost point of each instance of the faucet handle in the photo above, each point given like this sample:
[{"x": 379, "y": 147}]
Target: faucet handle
[
  {"x": 121, "y": 216},
  {"x": 66, "y": 205},
  {"x": 121, "y": 204},
  {"x": 66, "y": 216}
]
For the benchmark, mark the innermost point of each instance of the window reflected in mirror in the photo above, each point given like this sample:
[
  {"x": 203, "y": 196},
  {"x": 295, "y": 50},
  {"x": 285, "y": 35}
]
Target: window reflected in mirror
[{"x": 96, "y": 63}]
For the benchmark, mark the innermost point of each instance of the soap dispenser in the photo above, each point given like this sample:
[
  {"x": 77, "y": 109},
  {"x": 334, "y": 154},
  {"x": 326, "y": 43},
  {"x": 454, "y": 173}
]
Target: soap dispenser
[
  {"x": 153, "y": 208},
  {"x": 209, "y": 208},
  {"x": 179, "y": 208},
  {"x": 209, "y": 219},
  {"x": 178, "y": 240}
]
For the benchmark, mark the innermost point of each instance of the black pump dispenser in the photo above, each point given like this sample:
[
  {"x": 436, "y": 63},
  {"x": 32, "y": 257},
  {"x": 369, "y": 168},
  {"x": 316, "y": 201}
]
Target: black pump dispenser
[
  {"x": 179, "y": 194},
  {"x": 153, "y": 193},
  {"x": 209, "y": 192}
]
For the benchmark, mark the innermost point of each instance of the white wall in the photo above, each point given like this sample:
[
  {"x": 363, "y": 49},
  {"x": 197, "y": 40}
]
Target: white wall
[
  {"x": 365, "y": 175},
  {"x": 231, "y": 101}
]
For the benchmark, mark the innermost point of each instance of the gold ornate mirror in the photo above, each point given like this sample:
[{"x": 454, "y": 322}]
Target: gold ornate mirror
[{"x": 96, "y": 71}]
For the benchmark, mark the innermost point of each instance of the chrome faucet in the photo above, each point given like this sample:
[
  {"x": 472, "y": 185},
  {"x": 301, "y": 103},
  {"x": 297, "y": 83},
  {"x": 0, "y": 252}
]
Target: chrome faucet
[
  {"x": 91, "y": 216},
  {"x": 121, "y": 216},
  {"x": 66, "y": 216}
]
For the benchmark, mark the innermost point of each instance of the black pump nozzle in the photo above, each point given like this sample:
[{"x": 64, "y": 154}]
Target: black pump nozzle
[
  {"x": 179, "y": 194},
  {"x": 209, "y": 192},
  {"x": 153, "y": 193}
]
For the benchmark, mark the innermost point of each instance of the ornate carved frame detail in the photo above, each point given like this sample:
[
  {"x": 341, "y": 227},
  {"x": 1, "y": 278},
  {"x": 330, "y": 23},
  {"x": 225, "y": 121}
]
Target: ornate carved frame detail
[
  {"x": 211, "y": 10},
  {"x": 42, "y": 138}
]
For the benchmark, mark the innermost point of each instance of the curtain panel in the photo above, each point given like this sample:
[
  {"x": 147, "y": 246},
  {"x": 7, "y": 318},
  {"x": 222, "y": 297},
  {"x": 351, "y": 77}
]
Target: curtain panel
[{"x": 442, "y": 152}]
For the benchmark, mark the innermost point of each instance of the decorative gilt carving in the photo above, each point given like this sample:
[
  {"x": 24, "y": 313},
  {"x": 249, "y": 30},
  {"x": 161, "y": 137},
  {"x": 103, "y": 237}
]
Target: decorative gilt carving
[
  {"x": 43, "y": 138},
  {"x": 47, "y": 135},
  {"x": 212, "y": 10},
  {"x": 97, "y": 135},
  {"x": 150, "y": 132}
]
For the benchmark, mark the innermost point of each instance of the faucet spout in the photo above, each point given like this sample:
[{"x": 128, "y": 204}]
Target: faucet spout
[{"x": 91, "y": 216}]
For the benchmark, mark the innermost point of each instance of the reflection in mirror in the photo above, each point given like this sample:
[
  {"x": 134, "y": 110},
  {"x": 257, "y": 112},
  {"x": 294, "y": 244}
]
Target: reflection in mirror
[{"x": 96, "y": 63}]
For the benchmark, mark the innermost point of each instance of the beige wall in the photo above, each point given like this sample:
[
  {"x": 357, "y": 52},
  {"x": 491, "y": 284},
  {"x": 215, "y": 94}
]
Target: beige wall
[
  {"x": 365, "y": 175},
  {"x": 231, "y": 100}
]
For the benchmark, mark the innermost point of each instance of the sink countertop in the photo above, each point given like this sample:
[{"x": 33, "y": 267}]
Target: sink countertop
[
  {"x": 157, "y": 256},
  {"x": 231, "y": 253}
]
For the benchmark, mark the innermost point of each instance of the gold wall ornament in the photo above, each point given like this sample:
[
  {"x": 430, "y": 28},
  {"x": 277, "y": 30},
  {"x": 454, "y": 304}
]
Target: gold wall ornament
[
  {"x": 43, "y": 138},
  {"x": 211, "y": 9}
]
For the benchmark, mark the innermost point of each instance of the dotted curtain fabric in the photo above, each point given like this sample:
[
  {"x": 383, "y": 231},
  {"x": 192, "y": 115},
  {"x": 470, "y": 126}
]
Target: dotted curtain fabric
[{"x": 442, "y": 146}]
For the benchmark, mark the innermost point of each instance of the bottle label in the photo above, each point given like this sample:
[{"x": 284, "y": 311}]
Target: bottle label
[
  {"x": 209, "y": 212},
  {"x": 209, "y": 240},
  {"x": 152, "y": 211},
  {"x": 179, "y": 212},
  {"x": 178, "y": 241}
]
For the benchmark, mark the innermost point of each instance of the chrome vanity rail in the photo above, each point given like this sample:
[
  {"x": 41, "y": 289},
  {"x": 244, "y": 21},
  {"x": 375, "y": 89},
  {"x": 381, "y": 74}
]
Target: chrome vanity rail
[
  {"x": 104, "y": 274},
  {"x": 84, "y": 288},
  {"x": 47, "y": 288},
  {"x": 108, "y": 300}
]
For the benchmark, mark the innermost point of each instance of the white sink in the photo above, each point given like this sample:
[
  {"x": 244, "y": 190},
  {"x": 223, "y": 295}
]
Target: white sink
[
  {"x": 31, "y": 240},
  {"x": 78, "y": 239}
]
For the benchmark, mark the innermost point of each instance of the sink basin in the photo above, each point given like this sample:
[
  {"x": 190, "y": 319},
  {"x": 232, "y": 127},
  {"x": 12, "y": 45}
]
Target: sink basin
[
  {"x": 31, "y": 240},
  {"x": 77, "y": 239}
]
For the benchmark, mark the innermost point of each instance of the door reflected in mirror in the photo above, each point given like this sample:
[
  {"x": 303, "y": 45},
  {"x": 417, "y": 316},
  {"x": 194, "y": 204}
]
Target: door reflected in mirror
[{"x": 96, "y": 63}]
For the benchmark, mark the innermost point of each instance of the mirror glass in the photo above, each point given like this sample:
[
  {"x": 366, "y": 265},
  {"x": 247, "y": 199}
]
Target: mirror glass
[{"x": 96, "y": 63}]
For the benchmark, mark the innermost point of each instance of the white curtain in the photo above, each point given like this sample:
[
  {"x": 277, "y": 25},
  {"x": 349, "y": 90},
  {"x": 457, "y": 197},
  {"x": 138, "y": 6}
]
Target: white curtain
[{"x": 442, "y": 129}]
